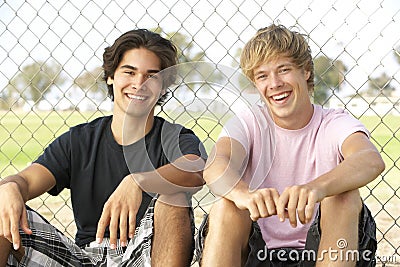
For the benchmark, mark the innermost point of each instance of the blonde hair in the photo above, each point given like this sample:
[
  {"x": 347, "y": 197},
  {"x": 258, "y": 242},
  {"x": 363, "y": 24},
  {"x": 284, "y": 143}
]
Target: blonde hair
[{"x": 275, "y": 41}]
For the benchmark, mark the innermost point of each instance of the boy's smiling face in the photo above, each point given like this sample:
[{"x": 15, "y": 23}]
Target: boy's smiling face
[
  {"x": 284, "y": 89},
  {"x": 137, "y": 87}
]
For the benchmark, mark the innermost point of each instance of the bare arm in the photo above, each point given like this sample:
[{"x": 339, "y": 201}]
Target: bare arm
[
  {"x": 32, "y": 181},
  {"x": 15, "y": 190},
  {"x": 223, "y": 175},
  {"x": 362, "y": 164},
  {"x": 184, "y": 174},
  {"x": 224, "y": 168}
]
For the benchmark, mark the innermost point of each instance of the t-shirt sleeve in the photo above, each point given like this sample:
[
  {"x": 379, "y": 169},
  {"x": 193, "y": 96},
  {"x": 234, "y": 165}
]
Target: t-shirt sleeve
[
  {"x": 189, "y": 143},
  {"x": 178, "y": 141},
  {"x": 239, "y": 128},
  {"x": 56, "y": 158},
  {"x": 340, "y": 125}
]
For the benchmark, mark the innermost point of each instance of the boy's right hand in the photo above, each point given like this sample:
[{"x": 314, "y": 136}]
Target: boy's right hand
[
  {"x": 261, "y": 203},
  {"x": 12, "y": 214},
  {"x": 119, "y": 212}
]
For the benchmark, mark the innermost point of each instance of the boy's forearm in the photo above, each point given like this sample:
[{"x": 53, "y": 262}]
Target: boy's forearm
[
  {"x": 223, "y": 184},
  {"x": 354, "y": 172},
  {"x": 225, "y": 168},
  {"x": 20, "y": 182},
  {"x": 223, "y": 178},
  {"x": 155, "y": 182},
  {"x": 183, "y": 175}
]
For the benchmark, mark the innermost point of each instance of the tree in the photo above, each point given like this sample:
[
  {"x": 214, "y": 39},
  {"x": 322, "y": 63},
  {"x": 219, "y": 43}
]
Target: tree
[
  {"x": 244, "y": 82},
  {"x": 92, "y": 81},
  {"x": 186, "y": 47},
  {"x": 328, "y": 76},
  {"x": 35, "y": 80},
  {"x": 8, "y": 97},
  {"x": 380, "y": 84},
  {"x": 189, "y": 53}
]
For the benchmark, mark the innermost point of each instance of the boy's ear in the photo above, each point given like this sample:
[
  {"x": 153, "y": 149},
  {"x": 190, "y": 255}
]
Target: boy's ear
[
  {"x": 307, "y": 74},
  {"x": 110, "y": 81}
]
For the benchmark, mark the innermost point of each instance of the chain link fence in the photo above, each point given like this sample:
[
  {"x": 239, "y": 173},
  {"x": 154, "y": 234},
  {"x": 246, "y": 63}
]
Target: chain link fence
[{"x": 50, "y": 76}]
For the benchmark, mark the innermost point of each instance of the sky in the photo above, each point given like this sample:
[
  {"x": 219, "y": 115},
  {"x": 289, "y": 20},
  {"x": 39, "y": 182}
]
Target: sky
[{"x": 362, "y": 33}]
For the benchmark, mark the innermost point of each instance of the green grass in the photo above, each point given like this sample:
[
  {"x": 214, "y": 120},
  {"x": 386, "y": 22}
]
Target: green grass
[
  {"x": 385, "y": 134},
  {"x": 23, "y": 136}
]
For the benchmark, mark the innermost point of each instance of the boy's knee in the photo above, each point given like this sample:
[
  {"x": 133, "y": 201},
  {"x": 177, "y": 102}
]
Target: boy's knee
[
  {"x": 347, "y": 203},
  {"x": 224, "y": 209},
  {"x": 225, "y": 214},
  {"x": 170, "y": 202},
  {"x": 228, "y": 223}
]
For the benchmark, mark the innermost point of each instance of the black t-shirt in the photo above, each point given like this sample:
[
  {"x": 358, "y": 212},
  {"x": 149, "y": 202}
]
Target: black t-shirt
[{"x": 89, "y": 161}]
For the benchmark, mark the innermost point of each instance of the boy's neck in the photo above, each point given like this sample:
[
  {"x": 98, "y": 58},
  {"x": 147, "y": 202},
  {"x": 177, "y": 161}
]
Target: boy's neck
[{"x": 128, "y": 130}]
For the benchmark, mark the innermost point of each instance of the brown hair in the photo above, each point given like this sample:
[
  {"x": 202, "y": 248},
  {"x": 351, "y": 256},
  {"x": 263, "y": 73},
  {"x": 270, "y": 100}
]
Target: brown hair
[{"x": 140, "y": 38}]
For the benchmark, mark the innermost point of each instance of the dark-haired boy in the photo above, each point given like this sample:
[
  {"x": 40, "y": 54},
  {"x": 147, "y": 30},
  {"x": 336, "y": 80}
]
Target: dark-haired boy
[{"x": 130, "y": 175}]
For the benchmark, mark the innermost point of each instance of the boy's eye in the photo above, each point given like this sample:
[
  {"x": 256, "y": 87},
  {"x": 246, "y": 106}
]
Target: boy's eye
[
  {"x": 261, "y": 76},
  {"x": 152, "y": 76}
]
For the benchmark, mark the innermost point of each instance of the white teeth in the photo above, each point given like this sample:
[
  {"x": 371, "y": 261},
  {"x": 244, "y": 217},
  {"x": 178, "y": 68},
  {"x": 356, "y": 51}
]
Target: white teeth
[
  {"x": 136, "y": 97},
  {"x": 281, "y": 96}
]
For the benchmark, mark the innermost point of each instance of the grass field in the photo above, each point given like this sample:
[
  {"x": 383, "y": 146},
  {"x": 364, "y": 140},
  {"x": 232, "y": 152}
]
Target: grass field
[{"x": 24, "y": 135}]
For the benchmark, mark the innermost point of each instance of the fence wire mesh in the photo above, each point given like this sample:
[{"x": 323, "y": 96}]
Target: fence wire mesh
[{"x": 50, "y": 76}]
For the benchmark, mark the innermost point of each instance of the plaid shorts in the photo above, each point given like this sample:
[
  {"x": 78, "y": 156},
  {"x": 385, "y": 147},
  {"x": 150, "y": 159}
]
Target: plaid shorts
[{"x": 47, "y": 246}]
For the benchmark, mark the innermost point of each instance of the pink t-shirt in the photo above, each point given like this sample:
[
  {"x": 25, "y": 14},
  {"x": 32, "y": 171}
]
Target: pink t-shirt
[{"x": 278, "y": 158}]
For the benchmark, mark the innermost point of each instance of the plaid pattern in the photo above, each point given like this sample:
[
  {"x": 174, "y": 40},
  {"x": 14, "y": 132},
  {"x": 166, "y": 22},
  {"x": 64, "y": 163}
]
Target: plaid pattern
[{"x": 47, "y": 246}]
